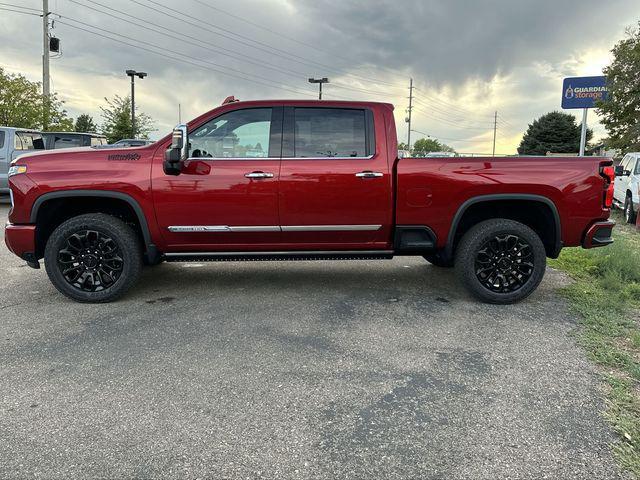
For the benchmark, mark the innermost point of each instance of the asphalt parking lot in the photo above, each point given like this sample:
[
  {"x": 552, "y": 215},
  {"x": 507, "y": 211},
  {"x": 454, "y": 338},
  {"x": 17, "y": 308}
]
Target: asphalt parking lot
[{"x": 294, "y": 370}]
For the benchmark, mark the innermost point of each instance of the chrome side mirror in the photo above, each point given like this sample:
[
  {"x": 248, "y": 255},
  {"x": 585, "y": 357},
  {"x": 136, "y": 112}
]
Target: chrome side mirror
[{"x": 178, "y": 152}]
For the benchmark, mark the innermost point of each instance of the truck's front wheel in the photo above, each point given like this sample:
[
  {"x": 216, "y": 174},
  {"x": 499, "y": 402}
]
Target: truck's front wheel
[
  {"x": 93, "y": 258},
  {"x": 501, "y": 261}
]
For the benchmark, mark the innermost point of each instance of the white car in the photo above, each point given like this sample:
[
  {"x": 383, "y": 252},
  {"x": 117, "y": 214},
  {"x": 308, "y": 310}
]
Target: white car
[{"x": 625, "y": 192}]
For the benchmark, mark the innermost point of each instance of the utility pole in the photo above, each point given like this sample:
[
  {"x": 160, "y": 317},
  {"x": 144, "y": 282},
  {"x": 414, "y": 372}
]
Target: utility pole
[
  {"x": 319, "y": 81},
  {"x": 409, "y": 113},
  {"x": 140, "y": 75},
  {"x": 45, "y": 64},
  {"x": 495, "y": 128},
  {"x": 179, "y": 114}
]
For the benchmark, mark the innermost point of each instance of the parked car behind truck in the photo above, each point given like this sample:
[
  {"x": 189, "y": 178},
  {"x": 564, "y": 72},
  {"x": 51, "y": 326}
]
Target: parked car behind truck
[
  {"x": 626, "y": 195},
  {"x": 300, "y": 180},
  {"x": 55, "y": 140},
  {"x": 14, "y": 142}
]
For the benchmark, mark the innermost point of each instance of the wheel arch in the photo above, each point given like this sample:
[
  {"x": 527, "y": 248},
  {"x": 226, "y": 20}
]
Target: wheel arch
[
  {"x": 554, "y": 242},
  {"x": 42, "y": 200}
]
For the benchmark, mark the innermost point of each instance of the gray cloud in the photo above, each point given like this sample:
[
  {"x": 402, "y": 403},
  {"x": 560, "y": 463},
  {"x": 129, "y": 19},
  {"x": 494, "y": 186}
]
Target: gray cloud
[{"x": 444, "y": 45}]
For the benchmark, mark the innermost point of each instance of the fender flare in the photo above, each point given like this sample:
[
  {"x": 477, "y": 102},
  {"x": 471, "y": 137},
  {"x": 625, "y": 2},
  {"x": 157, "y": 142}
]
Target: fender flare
[
  {"x": 144, "y": 226},
  {"x": 506, "y": 196}
]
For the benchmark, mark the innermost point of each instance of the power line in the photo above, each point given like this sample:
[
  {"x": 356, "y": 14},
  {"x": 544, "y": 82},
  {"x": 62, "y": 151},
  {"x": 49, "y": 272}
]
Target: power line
[
  {"x": 453, "y": 123},
  {"x": 443, "y": 114},
  {"x": 229, "y": 34},
  {"x": 163, "y": 31},
  {"x": 279, "y": 34},
  {"x": 20, "y": 6},
  {"x": 180, "y": 58},
  {"x": 19, "y": 11}
]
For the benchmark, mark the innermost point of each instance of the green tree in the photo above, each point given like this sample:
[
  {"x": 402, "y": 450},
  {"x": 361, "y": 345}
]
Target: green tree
[
  {"x": 555, "y": 132},
  {"x": 620, "y": 110},
  {"x": 85, "y": 123},
  {"x": 425, "y": 145},
  {"x": 117, "y": 120},
  {"x": 21, "y": 105}
]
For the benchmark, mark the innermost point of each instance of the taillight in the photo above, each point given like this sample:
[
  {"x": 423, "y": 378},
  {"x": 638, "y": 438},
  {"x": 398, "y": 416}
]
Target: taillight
[{"x": 609, "y": 175}]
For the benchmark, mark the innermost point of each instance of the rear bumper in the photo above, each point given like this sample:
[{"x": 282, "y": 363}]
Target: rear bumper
[
  {"x": 21, "y": 240},
  {"x": 599, "y": 234}
]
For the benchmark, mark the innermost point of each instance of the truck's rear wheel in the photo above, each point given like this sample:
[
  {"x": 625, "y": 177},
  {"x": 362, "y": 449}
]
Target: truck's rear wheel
[
  {"x": 500, "y": 261},
  {"x": 93, "y": 258}
]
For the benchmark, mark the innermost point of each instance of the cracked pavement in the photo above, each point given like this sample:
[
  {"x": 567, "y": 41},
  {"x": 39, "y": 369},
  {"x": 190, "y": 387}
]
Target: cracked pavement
[{"x": 294, "y": 370}]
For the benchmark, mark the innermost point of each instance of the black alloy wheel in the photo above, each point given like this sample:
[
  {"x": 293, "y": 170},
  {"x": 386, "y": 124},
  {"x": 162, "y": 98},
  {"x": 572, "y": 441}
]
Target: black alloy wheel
[
  {"x": 504, "y": 263},
  {"x": 93, "y": 258},
  {"x": 90, "y": 260},
  {"x": 500, "y": 260}
]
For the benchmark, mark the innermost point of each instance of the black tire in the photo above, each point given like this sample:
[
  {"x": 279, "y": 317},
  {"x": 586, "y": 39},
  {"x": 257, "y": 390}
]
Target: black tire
[
  {"x": 437, "y": 260},
  {"x": 500, "y": 261},
  {"x": 629, "y": 213},
  {"x": 95, "y": 247}
]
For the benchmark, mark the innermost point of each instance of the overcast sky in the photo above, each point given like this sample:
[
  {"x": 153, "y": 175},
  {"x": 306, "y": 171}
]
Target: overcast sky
[{"x": 467, "y": 58}]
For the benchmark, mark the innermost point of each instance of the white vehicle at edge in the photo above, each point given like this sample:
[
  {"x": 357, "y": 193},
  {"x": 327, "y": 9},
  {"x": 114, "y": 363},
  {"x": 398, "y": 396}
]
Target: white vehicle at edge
[
  {"x": 625, "y": 192},
  {"x": 14, "y": 142}
]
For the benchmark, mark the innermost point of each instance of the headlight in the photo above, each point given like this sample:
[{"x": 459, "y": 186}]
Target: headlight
[{"x": 17, "y": 169}]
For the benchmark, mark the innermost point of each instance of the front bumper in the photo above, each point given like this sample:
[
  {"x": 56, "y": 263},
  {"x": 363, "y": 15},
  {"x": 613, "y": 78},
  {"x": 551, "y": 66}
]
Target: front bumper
[
  {"x": 599, "y": 234},
  {"x": 21, "y": 240}
]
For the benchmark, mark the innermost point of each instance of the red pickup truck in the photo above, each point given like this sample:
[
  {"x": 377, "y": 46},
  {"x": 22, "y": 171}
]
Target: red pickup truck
[{"x": 299, "y": 180}]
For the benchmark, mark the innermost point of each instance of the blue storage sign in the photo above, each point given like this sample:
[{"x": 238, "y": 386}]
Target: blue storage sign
[{"x": 583, "y": 92}]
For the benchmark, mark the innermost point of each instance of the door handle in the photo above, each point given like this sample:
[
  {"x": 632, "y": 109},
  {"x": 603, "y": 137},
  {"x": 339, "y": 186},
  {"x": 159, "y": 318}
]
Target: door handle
[
  {"x": 259, "y": 175},
  {"x": 369, "y": 174}
]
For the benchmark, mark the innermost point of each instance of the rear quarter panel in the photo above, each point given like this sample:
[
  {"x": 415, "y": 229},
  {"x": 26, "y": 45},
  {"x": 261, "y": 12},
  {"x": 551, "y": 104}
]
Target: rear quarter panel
[{"x": 431, "y": 190}]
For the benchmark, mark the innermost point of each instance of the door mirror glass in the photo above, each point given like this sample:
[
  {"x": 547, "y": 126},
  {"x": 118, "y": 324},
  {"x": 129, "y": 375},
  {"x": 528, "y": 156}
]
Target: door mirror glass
[{"x": 178, "y": 151}]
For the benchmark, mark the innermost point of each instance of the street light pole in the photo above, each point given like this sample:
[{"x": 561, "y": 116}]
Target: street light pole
[
  {"x": 140, "y": 75},
  {"x": 319, "y": 81}
]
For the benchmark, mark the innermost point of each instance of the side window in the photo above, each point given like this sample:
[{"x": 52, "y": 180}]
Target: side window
[
  {"x": 24, "y": 141},
  {"x": 28, "y": 141},
  {"x": 17, "y": 141},
  {"x": 330, "y": 132},
  {"x": 67, "y": 142},
  {"x": 637, "y": 169},
  {"x": 237, "y": 134},
  {"x": 1, "y": 139}
]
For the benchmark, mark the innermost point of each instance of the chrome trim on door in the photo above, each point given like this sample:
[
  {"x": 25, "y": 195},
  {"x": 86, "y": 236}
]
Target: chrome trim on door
[
  {"x": 329, "y": 228},
  {"x": 271, "y": 228},
  {"x": 368, "y": 157},
  {"x": 222, "y": 228},
  {"x": 259, "y": 175},
  {"x": 369, "y": 174}
]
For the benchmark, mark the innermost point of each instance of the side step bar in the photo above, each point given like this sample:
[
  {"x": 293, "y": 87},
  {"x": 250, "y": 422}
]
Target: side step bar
[{"x": 278, "y": 256}]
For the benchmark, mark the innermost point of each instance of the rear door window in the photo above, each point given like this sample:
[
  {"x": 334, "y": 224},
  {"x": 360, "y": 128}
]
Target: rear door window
[
  {"x": 67, "y": 142},
  {"x": 330, "y": 132},
  {"x": 28, "y": 141},
  {"x": 637, "y": 169}
]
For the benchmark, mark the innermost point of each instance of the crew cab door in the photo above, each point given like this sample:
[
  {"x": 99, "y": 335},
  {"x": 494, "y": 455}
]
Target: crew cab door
[
  {"x": 335, "y": 181},
  {"x": 621, "y": 182},
  {"x": 226, "y": 197}
]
